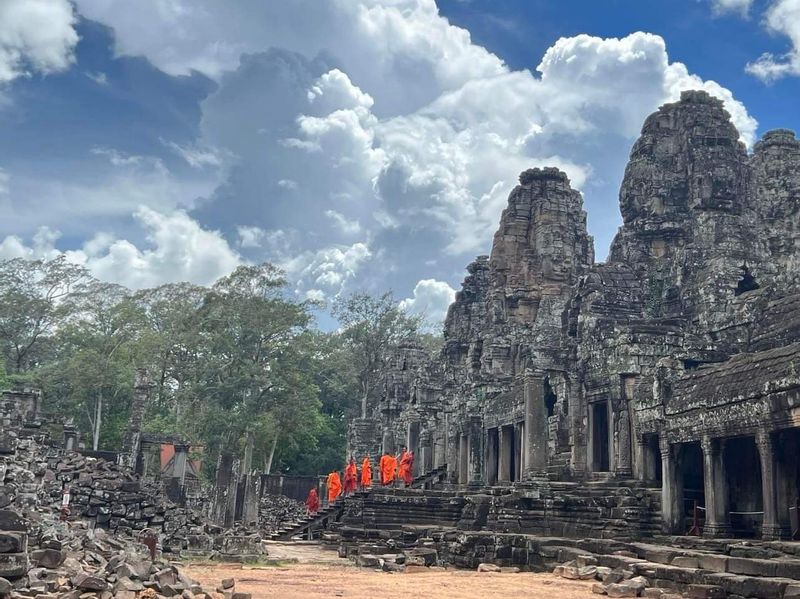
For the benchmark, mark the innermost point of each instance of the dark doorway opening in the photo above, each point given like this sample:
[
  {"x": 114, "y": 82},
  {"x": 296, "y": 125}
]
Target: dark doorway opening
[
  {"x": 690, "y": 462},
  {"x": 600, "y": 447},
  {"x": 508, "y": 458},
  {"x": 550, "y": 398},
  {"x": 788, "y": 479},
  {"x": 745, "y": 495}
]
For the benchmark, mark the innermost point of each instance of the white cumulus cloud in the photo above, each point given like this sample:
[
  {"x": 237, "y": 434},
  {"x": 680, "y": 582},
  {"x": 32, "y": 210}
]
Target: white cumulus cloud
[
  {"x": 177, "y": 249},
  {"x": 431, "y": 299},
  {"x": 782, "y": 18},
  {"x": 35, "y": 35},
  {"x": 380, "y": 122}
]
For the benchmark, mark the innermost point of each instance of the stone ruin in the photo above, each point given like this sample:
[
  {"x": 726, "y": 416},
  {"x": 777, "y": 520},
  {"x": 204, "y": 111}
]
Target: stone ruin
[
  {"x": 651, "y": 395},
  {"x": 121, "y": 527},
  {"x": 633, "y": 422}
]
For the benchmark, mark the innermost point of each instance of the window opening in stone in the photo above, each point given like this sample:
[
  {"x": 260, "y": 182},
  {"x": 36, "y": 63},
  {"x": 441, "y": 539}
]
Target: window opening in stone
[
  {"x": 550, "y": 398},
  {"x": 747, "y": 282}
]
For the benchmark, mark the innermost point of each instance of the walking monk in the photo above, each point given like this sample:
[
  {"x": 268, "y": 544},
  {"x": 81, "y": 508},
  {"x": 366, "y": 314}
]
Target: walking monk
[
  {"x": 312, "y": 502},
  {"x": 388, "y": 465},
  {"x": 350, "y": 477},
  {"x": 334, "y": 486},
  {"x": 366, "y": 474},
  {"x": 406, "y": 469}
]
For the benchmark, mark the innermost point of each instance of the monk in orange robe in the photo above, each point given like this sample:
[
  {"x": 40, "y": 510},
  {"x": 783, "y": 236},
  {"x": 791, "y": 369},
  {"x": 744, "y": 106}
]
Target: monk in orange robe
[
  {"x": 312, "y": 502},
  {"x": 388, "y": 465},
  {"x": 366, "y": 473},
  {"x": 334, "y": 486},
  {"x": 350, "y": 477},
  {"x": 406, "y": 469}
]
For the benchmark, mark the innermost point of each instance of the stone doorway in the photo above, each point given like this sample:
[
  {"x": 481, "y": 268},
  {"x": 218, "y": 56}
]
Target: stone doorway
[
  {"x": 788, "y": 479},
  {"x": 745, "y": 494},
  {"x": 692, "y": 481},
  {"x": 601, "y": 456},
  {"x": 509, "y": 456}
]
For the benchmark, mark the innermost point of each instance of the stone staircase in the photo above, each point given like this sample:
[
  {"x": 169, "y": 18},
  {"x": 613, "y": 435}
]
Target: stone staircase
[{"x": 330, "y": 514}]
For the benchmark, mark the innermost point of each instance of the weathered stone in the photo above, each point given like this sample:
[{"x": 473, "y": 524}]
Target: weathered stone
[
  {"x": 89, "y": 582},
  {"x": 621, "y": 590},
  {"x": 704, "y": 591},
  {"x": 489, "y": 568}
]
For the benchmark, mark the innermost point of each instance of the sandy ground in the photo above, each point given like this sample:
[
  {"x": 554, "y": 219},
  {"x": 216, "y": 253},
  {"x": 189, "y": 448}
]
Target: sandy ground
[{"x": 319, "y": 573}]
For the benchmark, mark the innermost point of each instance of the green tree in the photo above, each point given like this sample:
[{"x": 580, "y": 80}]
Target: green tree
[
  {"x": 251, "y": 339},
  {"x": 92, "y": 373},
  {"x": 371, "y": 326},
  {"x": 34, "y": 299}
]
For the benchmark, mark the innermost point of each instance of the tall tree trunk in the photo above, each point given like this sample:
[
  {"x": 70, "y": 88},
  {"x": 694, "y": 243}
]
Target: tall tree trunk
[
  {"x": 272, "y": 454},
  {"x": 98, "y": 416}
]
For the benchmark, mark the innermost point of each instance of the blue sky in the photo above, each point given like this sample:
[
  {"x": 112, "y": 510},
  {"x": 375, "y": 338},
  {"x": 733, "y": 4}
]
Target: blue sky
[{"x": 359, "y": 144}]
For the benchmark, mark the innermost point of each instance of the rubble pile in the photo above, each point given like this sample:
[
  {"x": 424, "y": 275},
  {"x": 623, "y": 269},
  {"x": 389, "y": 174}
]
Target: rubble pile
[
  {"x": 103, "y": 492},
  {"x": 75, "y": 562},
  {"x": 276, "y": 510}
]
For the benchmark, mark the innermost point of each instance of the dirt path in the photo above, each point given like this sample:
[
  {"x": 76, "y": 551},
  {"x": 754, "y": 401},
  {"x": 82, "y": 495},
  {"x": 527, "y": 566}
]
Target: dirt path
[{"x": 321, "y": 574}]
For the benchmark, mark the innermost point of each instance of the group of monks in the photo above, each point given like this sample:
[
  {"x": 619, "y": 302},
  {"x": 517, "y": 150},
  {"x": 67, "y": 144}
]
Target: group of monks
[{"x": 390, "y": 468}]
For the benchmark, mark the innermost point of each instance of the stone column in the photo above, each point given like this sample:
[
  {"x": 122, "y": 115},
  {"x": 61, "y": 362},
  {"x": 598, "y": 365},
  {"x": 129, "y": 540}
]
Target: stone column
[
  {"x": 715, "y": 489},
  {"x": 251, "y": 499},
  {"x": 475, "y": 451},
  {"x": 623, "y": 466},
  {"x": 141, "y": 397},
  {"x": 639, "y": 463},
  {"x": 425, "y": 457},
  {"x": 519, "y": 456},
  {"x": 772, "y": 528},
  {"x": 671, "y": 490},
  {"x": 535, "y": 426},
  {"x": 491, "y": 456},
  {"x": 463, "y": 459}
]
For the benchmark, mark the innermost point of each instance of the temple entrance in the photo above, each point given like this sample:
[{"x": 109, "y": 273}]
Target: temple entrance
[
  {"x": 598, "y": 413},
  {"x": 745, "y": 495},
  {"x": 692, "y": 480},
  {"x": 652, "y": 459},
  {"x": 509, "y": 459},
  {"x": 492, "y": 455},
  {"x": 788, "y": 481}
]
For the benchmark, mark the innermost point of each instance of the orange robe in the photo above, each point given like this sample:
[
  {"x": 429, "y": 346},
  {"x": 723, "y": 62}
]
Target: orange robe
[
  {"x": 366, "y": 474},
  {"x": 312, "y": 501},
  {"x": 350, "y": 478},
  {"x": 388, "y": 465},
  {"x": 334, "y": 486},
  {"x": 406, "y": 467}
]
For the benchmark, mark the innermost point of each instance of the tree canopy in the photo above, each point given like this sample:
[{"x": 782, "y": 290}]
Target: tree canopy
[{"x": 239, "y": 367}]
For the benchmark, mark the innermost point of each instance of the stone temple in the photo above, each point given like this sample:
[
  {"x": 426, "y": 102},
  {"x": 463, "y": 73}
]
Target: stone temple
[{"x": 671, "y": 369}]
